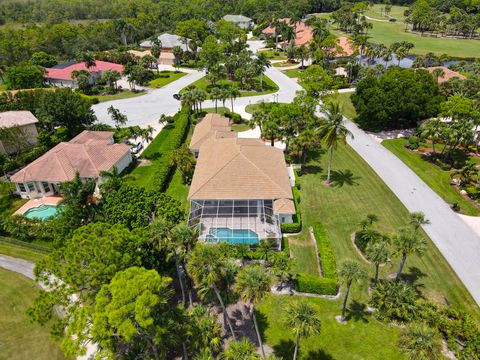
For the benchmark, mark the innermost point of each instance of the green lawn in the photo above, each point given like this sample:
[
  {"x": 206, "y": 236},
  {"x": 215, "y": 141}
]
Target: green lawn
[
  {"x": 269, "y": 86},
  {"x": 293, "y": 73},
  {"x": 240, "y": 127},
  {"x": 390, "y": 32},
  {"x": 362, "y": 338},
  {"x": 376, "y": 12},
  {"x": 121, "y": 95},
  {"x": 9, "y": 203},
  {"x": 284, "y": 64},
  {"x": 437, "y": 179},
  {"x": 303, "y": 253},
  {"x": 358, "y": 191},
  {"x": 20, "y": 252},
  {"x": 274, "y": 55},
  {"x": 252, "y": 107},
  {"x": 346, "y": 103},
  {"x": 162, "y": 81},
  {"x": 19, "y": 338}
]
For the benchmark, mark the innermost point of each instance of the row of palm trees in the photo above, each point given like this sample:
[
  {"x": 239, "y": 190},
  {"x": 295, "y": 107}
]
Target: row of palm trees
[{"x": 193, "y": 97}]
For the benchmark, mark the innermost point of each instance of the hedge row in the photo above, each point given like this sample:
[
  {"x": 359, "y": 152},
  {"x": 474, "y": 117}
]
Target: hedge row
[
  {"x": 171, "y": 139},
  {"x": 328, "y": 284},
  {"x": 296, "y": 226},
  {"x": 36, "y": 247}
]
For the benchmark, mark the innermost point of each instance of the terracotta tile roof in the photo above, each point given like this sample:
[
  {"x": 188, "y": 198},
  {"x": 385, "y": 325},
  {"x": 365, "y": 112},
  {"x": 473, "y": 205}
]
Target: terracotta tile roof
[
  {"x": 64, "y": 71},
  {"x": 449, "y": 74},
  {"x": 303, "y": 35},
  {"x": 240, "y": 169},
  {"x": 10, "y": 119},
  {"x": 211, "y": 125},
  {"x": 346, "y": 47},
  {"x": 86, "y": 154},
  {"x": 284, "y": 206}
]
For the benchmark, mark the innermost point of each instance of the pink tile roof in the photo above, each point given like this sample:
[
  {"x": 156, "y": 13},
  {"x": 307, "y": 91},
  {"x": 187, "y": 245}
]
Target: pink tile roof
[
  {"x": 304, "y": 33},
  {"x": 10, "y": 119},
  {"x": 89, "y": 153},
  {"x": 65, "y": 73},
  {"x": 346, "y": 47},
  {"x": 449, "y": 74}
]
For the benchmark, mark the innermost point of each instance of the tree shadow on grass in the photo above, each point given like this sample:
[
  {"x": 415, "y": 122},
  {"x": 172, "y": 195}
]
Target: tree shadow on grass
[
  {"x": 262, "y": 322},
  {"x": 311, "y": 169},
  {"x": 340, "y": 178},
  {"x": 357, "y": 311},
  {"x": 413, "y": 276},
  {"x": 284, "y": 349},
  {"x": 318, "y": 355}
]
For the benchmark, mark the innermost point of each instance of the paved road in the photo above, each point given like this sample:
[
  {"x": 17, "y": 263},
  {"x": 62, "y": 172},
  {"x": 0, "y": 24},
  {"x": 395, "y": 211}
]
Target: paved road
[
  {"x": 454, "y": 238},
  {"x": 20, "y": 266}
]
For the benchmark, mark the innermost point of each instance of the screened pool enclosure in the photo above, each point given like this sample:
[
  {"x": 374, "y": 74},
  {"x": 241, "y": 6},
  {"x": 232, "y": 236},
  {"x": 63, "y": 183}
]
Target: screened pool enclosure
[{"x": 235, "y": 221}]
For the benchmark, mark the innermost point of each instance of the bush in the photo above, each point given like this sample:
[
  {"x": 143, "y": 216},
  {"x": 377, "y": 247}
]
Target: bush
[
  {"x": 309, "y": 283},
  {"x": 472, "y": 191},
  {"x": 291, "y": 228},
  {"x": 296, "y": 226},
  {"x": 325, "y": 251},
  {"x": 413, "y": 142}
]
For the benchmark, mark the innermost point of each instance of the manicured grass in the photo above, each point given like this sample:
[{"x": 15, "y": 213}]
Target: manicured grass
[
  {"x": 178, "y": 190},
  {"x": 252, "y": 107},
  {"x": 162, "y": 81},
  {"x": 20, "y": 252},
  {"x": 19, "y": 338},
  {"x": 240, "y": 127},
  {"x": 293, "y": 73},
  {"x": 269, "y": 86},
  {"x": 303, "y": 253},
  {"x": 9, "y": 203},
  {"x": 345, "y": 102},
  {"x": 121, "y": 95},
  {"x": 274, "y": 55},
  {"x": 433, "y": 176},
  {"x": 284, "y": 64},
  {"x": 376, "y": 12},
  {"x": 362, "y": 338},
  {"x": 358, "y": 191},
  {"x": 390, "y": 32},
  {"x": 220, "y": 110}
]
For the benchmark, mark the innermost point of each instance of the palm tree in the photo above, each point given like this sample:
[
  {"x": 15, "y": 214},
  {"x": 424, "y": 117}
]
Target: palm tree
[
  {"x": 407, "y": 242},
  {"x": 350, "y": 271},
  {"x": 253, "y": 283},
  {"x": 438, "y": 73},
  {"x": 466, "y": 174},
  {"x": 216, "y": 94},
  {"x": 187, "y": 99},
  {"x": 378, "y": 253},
  {"x": 262, "y": 64},
  {"x": 303, "y": 320},
  {"x": 302, "y": 54},
  {"x": 417, "y": 219},
  {"x": 203, "y": 332},
  {"x": 88, "y": 58},
  {"x": 240, "y": 350},
  {"x": 206, "y": 265},
  {"x": 419, "y": 341},
  {"x": 333, "y": 131},
  {"x": 431, "y": 130},
  {"x": 112, "y": 182},
  {"x": 233, "y": 93}
]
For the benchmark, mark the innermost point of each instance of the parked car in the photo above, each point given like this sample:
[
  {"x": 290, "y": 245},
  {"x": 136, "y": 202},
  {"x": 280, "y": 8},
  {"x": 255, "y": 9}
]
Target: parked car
[{"x": 136, "y": 148}]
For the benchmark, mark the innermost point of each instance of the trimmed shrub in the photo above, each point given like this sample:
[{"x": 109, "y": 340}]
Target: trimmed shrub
[
  {"x": 296, "y": 226},
  {"x": 310, "y": 283},
  {"x": 329, "y": 265}
]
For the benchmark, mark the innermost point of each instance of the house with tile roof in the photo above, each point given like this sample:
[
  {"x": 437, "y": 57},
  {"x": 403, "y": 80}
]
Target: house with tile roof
[
  {"x": 87, "y": 154},
  {"x": 21, "y": 126},
  {"x": 243, "y": 22},
  {"x": 61, "y": 75},
  {"x": 168, "y": 42},
  {"x": 447, "y": 74},
  {"x": 241, "y": 190}
]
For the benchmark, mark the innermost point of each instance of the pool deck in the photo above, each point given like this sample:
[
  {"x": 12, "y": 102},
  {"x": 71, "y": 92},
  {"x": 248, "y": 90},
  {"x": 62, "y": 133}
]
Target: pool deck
[{"x": 47, "y": 200}]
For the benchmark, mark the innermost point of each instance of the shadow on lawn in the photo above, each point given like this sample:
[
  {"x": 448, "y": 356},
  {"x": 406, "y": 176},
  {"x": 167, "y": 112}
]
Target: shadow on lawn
[
  {"x": 357, "y": 311},
  {"x": 413, "y": 276},
  {"x": 343, "y": 177},
  {"x": 286, "y": 348}
]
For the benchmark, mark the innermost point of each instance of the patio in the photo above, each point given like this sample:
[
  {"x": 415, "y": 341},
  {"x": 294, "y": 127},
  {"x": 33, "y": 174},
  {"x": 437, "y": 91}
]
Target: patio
[{"x": 30, "y": 204}]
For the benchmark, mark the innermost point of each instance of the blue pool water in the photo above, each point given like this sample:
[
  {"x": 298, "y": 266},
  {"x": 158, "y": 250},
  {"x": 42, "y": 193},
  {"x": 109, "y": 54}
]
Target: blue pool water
[
  {"x": 233, "y": 236},
  {"x": 42, "y": 212}
]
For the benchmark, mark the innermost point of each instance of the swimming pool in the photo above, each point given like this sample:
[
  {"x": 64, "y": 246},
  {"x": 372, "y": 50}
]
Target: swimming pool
[
  {"x": 42, "y": 212},
  {"x": 233, "y": 236}
]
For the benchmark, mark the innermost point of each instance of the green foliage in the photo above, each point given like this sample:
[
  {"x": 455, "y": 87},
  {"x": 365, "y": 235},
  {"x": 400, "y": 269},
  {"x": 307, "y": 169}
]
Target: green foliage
[
  {"x": 325, "y": 251},
  {"x": 24, "y": 77},
  {"x": 135, "y": 207},
  {"x": 397, "y": 99},
  {"x": 315, "y": 80},
  {"x": 309, "y": 283},
  {"x": 296, "y": 226},
  {"x": 43, "y": 59}
]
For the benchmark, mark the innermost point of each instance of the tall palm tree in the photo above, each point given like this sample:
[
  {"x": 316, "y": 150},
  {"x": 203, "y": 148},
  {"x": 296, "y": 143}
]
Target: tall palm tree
[
  {"x": 350, "y": 271},
  {"x": 252, "y": 284},
  {"x": 88, "y": 58},
  {"x": 206, "y": 265},
  {"x": 419, "y": 341},
  {"x": 262, "y": 64},
  {"x": 303, "y": 320},
  {"x": 240, "y": 350},
  {"x": 233, "y": 93},
  {"x": 438, "y": 73},
  {"x": 302, "y": 54},
  {"x": 216, "y": 94},
  {"x": 431, "y": 131},
  {"x": 407, "y": 242},
  {"x": 378, "y": 253},
  {"x": 417, "y": 219},
  {"x": 332, "y": 131}
]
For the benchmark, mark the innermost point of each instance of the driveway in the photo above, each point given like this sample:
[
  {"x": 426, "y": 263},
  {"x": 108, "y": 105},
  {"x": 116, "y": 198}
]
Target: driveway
[{"x": 453, "y": 237}]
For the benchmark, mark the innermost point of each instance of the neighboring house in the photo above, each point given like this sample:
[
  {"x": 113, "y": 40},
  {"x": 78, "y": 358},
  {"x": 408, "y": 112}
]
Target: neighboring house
[
  {"x": 344, "y": 48},
  {"x": 241, "y": 21},
  {"x": 89, "y": 153},
  {"x": 240, "y": 191},
  {"x": 21, "y": 127},
  {"x": 168, "y": 41},
  {"x": 448, "y": 74},
  {"x": 61, "y": 75},
  {"x": 303, "y": 34},
  {"x": 212, "y": 125}
]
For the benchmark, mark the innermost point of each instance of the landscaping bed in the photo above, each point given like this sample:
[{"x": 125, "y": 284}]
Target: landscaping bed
[{"x": 165, "y": 77}]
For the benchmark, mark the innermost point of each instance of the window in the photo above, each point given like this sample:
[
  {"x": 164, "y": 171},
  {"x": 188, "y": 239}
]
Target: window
[
  {"x": 31, "y": 186},
  {"x": 46, "y": 187},
  {"x": 21, "y": 187}
]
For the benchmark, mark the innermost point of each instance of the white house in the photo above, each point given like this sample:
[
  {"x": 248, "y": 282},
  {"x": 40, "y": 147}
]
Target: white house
[{"x": 241, "y": 21}]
